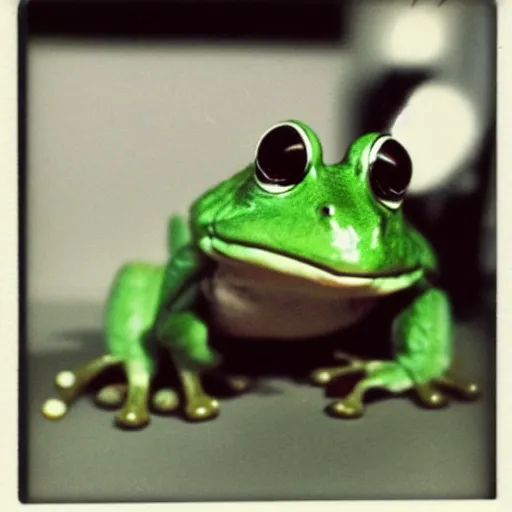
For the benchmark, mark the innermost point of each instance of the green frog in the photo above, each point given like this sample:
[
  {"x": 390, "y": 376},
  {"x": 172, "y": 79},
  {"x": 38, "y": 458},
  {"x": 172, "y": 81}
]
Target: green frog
[{"x": 288, "y": 249}]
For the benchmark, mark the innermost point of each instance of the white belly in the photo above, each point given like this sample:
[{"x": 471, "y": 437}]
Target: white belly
[{"x": 254, "y": 305}]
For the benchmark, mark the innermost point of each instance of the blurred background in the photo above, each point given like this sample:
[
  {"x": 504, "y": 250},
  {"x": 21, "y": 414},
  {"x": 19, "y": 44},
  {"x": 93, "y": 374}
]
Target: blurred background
[
  {"x": 134, "y": 108},
  {"x": 134, "y": 112}
]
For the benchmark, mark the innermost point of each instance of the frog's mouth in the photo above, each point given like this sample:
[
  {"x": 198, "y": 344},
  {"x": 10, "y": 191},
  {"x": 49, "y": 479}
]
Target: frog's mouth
[{"x": 291, "y": 265}]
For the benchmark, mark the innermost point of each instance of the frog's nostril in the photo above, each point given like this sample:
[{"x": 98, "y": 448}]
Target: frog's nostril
[{"x": 327, "y": 210}]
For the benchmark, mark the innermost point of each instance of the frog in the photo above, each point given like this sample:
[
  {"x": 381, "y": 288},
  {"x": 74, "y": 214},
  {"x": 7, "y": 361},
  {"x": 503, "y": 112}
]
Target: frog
[{"x": 289, "y": 248}]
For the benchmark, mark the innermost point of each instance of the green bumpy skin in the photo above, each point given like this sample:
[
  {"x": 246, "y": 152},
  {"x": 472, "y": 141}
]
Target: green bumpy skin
[{"x": 289, "y": 247}]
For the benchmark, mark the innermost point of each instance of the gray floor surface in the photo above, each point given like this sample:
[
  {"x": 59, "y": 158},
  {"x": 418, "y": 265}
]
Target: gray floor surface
[{"x": 274, "y": 443}]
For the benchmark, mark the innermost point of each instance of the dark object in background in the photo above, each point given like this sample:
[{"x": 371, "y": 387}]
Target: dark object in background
[
  {"x": 383, "y": 100},
  {"x": 457, "y": 230},
  {"x": 278, "y": 21},
  {"x": 457, "y": 235}
]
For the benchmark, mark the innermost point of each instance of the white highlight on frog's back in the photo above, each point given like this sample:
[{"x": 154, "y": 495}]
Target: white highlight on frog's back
[
  {"x": 247, "y": 304},
  {"x": 439, "y": 128},
  {"x": 417, "y": 36}
]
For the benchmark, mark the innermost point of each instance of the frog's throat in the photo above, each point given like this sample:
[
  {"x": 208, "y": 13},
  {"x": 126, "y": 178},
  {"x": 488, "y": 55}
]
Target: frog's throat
[{"x": 377, "y": 282}]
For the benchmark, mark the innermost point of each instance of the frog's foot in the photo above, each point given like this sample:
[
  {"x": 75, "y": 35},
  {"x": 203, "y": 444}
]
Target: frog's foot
[
  {"x": 111, "y": 396},
  {"x": 133, "y": 396},
  {"x": 387, "y": 375},
  {"x": 392, "y": 377},
  {"x": 199, "y": 406},
  {"x": 165, "y": 401},
  {"x": 227, "y": 384},
  {"x": 428, "y": 396},
  {"x": 431, "y": 394},
  {"x": 71, "y": 383},
  {"x": 202, "y": 408},
  {"x": 134, "y": 413},
  {"x": 238, "y": 383},
  {"x": 324, "y": 376}
]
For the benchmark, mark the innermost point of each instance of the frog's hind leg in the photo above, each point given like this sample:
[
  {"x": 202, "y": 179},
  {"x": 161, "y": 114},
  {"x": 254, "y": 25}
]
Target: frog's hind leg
[
  {"x": 423, "y": 342},
  {"x": 71, "y": 383},
  {"x": 130, "y": 314}
]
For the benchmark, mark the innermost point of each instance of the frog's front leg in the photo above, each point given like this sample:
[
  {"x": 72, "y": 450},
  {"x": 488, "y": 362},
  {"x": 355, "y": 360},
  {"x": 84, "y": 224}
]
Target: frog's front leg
[{"x": 423, "y": 345}]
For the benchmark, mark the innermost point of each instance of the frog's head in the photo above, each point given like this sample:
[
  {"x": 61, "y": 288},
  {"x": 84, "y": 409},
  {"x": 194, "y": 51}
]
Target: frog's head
[{"x": 339, "y": 225}]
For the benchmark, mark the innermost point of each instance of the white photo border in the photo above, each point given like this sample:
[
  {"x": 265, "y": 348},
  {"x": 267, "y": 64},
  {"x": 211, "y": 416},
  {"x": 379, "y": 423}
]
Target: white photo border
[{"x": 9, "y": 301}]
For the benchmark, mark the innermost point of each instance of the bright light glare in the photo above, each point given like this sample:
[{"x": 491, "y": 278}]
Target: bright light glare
[
  {"x": 418, "y": 36},
  {"x": 439, "y": 129}
]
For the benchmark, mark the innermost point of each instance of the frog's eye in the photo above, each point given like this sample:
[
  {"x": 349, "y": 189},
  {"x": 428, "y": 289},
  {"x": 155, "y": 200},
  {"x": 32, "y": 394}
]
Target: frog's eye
[
  {"x": 282, "y": 158},
  {"x": 390, "y": 171}
]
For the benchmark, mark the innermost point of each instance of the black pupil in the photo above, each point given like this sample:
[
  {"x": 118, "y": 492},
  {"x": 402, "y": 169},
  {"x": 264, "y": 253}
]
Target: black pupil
[
  {"x": 391, "y": 172},
  {"x": 281, "y": 157}
]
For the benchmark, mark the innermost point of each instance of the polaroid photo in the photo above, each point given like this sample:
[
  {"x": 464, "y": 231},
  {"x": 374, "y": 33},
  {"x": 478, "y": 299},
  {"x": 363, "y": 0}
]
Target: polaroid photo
[{"x": 257, "y": 252}]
